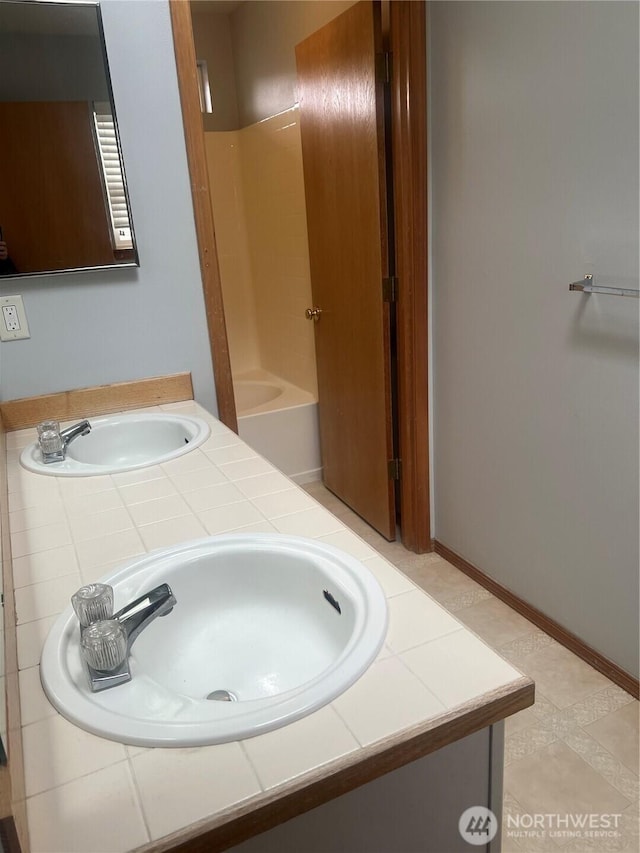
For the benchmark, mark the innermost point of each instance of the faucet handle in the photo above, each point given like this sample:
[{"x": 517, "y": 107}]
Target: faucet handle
[
  {"x": 45, "y": 426},
  {"x": 104, "y": 645},
  {"x": 50, "y": 441},
  {"x": 93, "y": 603}
]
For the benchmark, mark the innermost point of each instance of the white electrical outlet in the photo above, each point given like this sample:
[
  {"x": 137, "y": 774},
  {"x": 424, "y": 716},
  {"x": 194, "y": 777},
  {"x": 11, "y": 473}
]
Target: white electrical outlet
[{"x": 13, "y": 320}]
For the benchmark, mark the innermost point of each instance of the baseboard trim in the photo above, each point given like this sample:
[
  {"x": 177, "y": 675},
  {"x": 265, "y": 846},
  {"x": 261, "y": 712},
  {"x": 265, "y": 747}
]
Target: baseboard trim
[
  {"x": 99, "y": 400},
  {"x": 598, "y": 661}
]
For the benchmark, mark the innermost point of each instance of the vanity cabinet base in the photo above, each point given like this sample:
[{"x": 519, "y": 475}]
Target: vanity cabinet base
[{"x": 415, "y": 809}]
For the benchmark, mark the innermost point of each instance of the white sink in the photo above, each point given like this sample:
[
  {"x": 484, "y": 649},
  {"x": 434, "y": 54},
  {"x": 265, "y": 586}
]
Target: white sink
[
  {"x": 122, "y": 443},
  {"x": 280, "y": 623}
]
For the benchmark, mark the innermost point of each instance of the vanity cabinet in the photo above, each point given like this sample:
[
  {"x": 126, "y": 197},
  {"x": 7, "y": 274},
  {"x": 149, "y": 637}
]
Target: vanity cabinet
[
  {"x": 389, "y": 765},
  {"x": 416, "y": 808}
]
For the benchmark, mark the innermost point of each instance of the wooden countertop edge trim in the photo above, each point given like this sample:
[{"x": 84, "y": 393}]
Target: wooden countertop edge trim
[
  {"x": 98, "y": 400},
  {"x": 5, "y": 563},
  {"x": 12, "y": 785},
  {"x": 271, "y": 808}
]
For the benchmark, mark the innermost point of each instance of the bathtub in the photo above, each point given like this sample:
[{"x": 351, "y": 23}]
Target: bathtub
[
  {"x": 280, "y": 421},
  {"x": 253, "y": 396}
]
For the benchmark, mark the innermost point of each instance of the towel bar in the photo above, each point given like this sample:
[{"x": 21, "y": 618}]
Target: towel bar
[{"x": 587, "y": 286}]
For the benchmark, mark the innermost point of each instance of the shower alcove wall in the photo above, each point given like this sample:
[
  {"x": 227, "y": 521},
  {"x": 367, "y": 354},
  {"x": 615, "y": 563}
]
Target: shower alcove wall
[{"x": 257, "y": 195}]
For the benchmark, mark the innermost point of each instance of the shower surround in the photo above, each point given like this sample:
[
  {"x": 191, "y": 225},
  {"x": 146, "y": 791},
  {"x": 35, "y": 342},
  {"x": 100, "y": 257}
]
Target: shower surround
[{"x": 257, "y": 195}]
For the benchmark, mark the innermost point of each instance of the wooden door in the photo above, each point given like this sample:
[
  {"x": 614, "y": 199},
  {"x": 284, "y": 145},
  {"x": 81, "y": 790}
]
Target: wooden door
[{"x": 342, "y": 126}]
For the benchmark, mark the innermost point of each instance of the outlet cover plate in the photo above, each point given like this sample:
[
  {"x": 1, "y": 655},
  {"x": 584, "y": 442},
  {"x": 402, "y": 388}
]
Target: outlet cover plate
[{"x": 13, "y": 319}]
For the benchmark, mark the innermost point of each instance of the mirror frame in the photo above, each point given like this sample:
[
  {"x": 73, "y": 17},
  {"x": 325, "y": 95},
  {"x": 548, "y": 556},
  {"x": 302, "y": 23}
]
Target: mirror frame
[{"x": 128, "y": 264}]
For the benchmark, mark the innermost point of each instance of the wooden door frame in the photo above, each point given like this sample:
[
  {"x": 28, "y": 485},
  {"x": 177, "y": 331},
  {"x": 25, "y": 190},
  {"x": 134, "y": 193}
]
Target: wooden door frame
[
  {"x": 407, "y": 42},
  {"x": 408, "y": 46},
  {"x": 185, "y": 53}
]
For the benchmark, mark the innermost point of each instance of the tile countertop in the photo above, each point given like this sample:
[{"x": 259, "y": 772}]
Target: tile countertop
[{"x": 85, "y": 793}]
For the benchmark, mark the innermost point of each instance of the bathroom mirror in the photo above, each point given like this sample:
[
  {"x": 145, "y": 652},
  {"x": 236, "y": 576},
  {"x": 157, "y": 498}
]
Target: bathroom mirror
[{"x": 63, "y": 199}]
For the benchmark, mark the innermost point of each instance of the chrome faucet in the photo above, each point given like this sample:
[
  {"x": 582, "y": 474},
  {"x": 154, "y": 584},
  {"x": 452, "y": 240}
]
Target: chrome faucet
[
  {"x": 54, "y": 441},
  {"x": 106, "y": 642},
  {"x": 135, "y": 617},
  {"x": 67, "y": 435}
]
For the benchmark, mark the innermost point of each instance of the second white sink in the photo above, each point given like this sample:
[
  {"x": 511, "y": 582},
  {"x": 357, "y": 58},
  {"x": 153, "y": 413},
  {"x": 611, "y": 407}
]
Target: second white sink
[{"x": 122, "y": 443}]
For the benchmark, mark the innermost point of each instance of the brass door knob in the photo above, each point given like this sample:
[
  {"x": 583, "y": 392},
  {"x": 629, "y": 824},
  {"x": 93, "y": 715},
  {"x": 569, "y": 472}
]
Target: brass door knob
[{"x": 313, "y": 314}]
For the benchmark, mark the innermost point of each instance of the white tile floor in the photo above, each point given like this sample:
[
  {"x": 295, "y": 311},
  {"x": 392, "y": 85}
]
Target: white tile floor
[{"x": 575, "y": 752}]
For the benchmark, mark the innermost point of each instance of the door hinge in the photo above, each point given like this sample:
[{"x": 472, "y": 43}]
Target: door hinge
[
  {"x": 394, "y": 467},
  {"x": 384, "y": 67},
  {"x": 390, "y": 289}
]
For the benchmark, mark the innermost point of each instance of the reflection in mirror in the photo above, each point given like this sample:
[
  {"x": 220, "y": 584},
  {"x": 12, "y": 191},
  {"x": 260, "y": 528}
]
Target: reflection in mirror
[{"x": 63, "y": 199}]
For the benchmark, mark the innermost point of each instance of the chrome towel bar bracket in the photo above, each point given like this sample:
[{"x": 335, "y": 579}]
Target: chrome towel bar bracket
[{"x": 587, "y": 285}]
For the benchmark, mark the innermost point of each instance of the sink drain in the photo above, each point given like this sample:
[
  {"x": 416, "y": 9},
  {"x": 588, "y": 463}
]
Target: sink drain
[{"x": 223, "y": 696}]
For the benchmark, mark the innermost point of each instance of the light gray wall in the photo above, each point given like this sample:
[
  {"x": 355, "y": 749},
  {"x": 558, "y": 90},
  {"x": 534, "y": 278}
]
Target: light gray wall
[
  {"x": 535, "y": 183},
  {"x": 264, "y": 40},
  {"x": 101, "y": 327}
]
